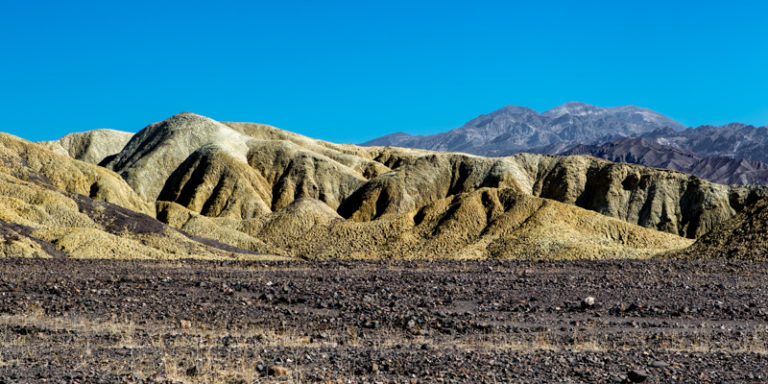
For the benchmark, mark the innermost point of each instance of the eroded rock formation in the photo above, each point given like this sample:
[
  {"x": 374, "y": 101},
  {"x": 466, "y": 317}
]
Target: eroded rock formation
[{"x": 255, "y": 188}]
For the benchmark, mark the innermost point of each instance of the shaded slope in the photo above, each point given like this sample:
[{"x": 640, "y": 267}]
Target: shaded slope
[
  {"x": 153, "y": 154},
  {"x": 487, "y": 223},
  {"x": 24, "y": 161},
  {"x": 663, "y": 200},
  {"x": 236, "y": 189},
  {"x": 743, "y": 237},
  {"x": 17, "y": 241}
]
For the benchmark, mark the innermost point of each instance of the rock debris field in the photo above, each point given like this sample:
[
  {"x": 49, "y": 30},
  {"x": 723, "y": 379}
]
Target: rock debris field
[{"x": 80, "y": 321}]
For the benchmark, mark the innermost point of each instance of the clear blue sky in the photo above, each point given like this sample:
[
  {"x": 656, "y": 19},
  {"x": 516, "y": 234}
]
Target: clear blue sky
[{"x": 349, "y": 71}]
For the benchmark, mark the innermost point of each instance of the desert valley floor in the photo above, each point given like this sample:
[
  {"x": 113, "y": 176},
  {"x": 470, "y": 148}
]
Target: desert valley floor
[
  {"x": 81, "y": 321},
  {"x": 389, "y": 192}
]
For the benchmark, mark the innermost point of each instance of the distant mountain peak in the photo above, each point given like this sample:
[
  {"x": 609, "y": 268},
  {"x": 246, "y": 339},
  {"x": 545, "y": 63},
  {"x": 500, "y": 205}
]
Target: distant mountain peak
[
  {"x": 628, "y": 113},
  {"x": 513, "y": 129},
  {"x": 514, "y": 109},
  {"x": 575, "y": 108}
]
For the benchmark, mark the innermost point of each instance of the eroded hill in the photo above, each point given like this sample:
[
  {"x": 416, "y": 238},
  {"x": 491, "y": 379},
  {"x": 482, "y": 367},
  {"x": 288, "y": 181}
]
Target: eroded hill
[
  {"x": 53, "y": 206},
  {"x": 251, "y": 182},
  {"x": 258, "y": 188},
  {"x": 743, "y": 237}
]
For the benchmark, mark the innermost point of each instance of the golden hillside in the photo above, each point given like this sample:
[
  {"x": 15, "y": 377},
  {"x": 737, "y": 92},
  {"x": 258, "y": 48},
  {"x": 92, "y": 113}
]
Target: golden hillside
[
  {"x": 258, "y": 188},
  {"x": 53, "y": 206}
]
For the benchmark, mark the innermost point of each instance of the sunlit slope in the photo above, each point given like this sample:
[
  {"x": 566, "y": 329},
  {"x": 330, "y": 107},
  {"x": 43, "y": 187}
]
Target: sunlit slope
[
  {"x": 256, "y": 188},
  {"x": 54, "y": 206}
]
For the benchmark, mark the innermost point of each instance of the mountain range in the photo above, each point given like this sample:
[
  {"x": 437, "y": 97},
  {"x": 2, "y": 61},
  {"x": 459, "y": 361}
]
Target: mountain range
[
  {"x": 731, "y": 154},
  {"x": 193, "y": 187},
  {"x": 641, "y": 151}
]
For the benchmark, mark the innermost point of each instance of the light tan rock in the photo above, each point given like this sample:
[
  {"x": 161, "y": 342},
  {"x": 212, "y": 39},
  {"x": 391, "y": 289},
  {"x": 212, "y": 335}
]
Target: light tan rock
[
  {"x": 54, "y": 206},
  {"x": 37, "y": 166},
  {"x": 665, "y": 200},
  {"x": 90, "y": 146}
]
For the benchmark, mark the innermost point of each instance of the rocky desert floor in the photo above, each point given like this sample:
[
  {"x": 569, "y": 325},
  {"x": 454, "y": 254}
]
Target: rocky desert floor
[{"x": 99, "y": 321}]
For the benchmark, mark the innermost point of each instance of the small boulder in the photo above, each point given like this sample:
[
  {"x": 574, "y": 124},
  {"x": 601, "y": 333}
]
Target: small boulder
[{"x": 637, "y": 376}]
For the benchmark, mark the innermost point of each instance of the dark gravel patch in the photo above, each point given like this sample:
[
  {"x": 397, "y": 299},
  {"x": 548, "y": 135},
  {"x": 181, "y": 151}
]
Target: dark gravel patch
[{"x": 513, "y": 321}]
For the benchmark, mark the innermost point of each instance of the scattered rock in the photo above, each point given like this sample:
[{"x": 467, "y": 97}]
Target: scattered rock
[
  {"x": 454, "y": 350},
  {"x": 637, "y": 376}
]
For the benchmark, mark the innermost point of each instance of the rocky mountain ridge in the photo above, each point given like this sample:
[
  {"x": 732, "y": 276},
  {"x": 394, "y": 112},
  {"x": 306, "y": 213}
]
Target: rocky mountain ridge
[
  {"x": 731, "y": 154},
  {"x": 723, "y": 170},
  {"x": 738, "y": 141},
  {"x": 743, "y": 237},
  {"x": 514, "y": 129}
]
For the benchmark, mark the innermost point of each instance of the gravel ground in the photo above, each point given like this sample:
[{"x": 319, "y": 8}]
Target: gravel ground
[{"x": 105, "y": 321}]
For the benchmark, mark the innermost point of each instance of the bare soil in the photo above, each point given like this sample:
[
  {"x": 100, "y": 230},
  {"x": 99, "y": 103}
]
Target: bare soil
[{"x": 101, "y": 321}]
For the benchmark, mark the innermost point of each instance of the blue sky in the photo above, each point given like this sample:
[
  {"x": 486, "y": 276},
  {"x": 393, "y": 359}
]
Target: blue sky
[{"x": 349, "y": 71}]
